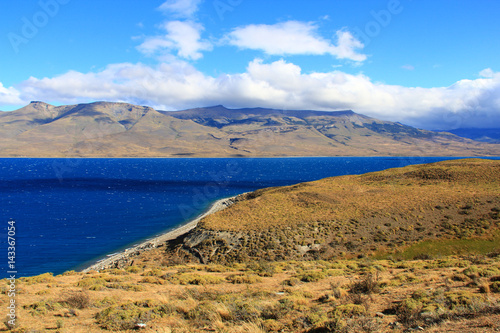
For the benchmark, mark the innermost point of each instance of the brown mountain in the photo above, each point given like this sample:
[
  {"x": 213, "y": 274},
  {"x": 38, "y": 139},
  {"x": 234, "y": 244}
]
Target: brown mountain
[{"x": 105, "y": 129}]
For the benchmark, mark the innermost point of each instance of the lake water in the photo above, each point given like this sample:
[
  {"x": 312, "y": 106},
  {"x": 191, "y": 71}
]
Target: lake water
[{"x": 70, "y": 212}]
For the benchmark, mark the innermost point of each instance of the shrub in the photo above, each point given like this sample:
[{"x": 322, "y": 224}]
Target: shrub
[
  {"x": 115, "y": 271},
  {"x": 196, "y": 279},
  {"x": 311, "y": 276},
  {"x": 367, "y": 285},
  {"x": 43, "y": 278},
  {"x": 42, "y": 307},
  {"x": 243, "y": 278},
  {"x": 153, "y": 272},
  {"x": 293, "y": 281},
  {"x": 133, "y": 269},
  {"x": 278, "y": 310},
  {"x": 262, "y": 268},
  {"x": 216, "y": 268},
  {"x": 77, "y": 300},
  {"x": 495, "y": 287},
  {"x": 152, "y": 280},
  {"x": 349, "y": 310},
  {"x": 92, "y": 283},
  {"x": 408, "y": 312},
  {"x": 122, "y": 317}
]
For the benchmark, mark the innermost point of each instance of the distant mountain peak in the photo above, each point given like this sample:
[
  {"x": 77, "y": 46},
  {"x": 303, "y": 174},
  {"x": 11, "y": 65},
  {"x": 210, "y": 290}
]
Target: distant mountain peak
[{"x": 39, "y": 102}]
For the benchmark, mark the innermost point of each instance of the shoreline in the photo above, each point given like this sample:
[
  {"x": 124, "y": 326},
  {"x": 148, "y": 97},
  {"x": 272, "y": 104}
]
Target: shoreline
[{"x": 111, "y": 261}]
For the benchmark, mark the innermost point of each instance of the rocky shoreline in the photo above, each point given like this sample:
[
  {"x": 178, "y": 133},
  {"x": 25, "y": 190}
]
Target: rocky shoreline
[{"x": 121, "y": 258}]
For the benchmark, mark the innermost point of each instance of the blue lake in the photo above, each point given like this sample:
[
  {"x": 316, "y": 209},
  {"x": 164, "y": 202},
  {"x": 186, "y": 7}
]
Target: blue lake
[{"x": 71, "y": 212}]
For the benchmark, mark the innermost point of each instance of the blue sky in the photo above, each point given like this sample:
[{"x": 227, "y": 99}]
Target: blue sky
[{"x": 431, "y": 64}]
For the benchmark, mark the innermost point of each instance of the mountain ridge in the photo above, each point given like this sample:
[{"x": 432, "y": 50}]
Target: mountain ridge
[{"x": 108, "y": 129}]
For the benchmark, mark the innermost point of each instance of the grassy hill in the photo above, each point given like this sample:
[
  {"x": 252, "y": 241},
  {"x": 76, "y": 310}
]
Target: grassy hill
[
  {"x": 105, "y": 129},
  {"x": 403, "y": 249},
  {"x": 351, "y": 215}
]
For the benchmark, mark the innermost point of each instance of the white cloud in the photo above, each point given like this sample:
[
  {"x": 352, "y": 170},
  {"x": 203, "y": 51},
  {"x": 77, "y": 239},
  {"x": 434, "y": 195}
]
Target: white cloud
[
  {"x": 292, "y": 38},
  {"x": 280, "y": 84},
  {"x": 408, "y": 67},
  {"x": 9, "y": 96},
  {"x": 183, "y": 37},
  {"x": 180, "y": 8},
  {"x": 488, "y": 73}
]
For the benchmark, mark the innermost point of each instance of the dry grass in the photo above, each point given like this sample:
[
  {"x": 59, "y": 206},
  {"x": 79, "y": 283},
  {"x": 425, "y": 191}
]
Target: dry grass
[
  {"x": 400, "y": 193},
  {"x": 363, "y": 298}
]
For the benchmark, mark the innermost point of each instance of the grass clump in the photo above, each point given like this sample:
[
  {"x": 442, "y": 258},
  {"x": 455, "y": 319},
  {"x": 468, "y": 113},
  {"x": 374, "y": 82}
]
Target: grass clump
[
  {"x": 262, "y": 268},
  {"x": 124, "y": 316},
  {"x": 41, "y": 308},
  {"x": 311, "y": 276},
  {"x": 195, "y": 279},
  {"x": 92, "y": 283},
  {"x": 42, "y": 278},
  {"x": 243, "y": 278}
]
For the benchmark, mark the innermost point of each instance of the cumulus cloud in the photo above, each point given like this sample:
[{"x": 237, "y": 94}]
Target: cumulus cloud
[
  {"x": 292, "y": 38},
  {"x": 281, "y": 85},
  {"x": 487, "y": 72},
  {"x": 180, "y": 8},
  {"x": 9, "y": 96},
  {"x": 408, "y": 67},
  {"x": 182, "y": 37}
]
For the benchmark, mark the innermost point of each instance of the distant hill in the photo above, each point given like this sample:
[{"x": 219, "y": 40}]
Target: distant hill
[
  {"x": 104, "y": 129},
  {"x": 490, "y": 135}
]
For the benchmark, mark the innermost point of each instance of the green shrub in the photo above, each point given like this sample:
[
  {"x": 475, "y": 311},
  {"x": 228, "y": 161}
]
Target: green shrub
[
  {"x": 42, "y": 307},
  {"x": 91, "y": 283},
  {"x": 196, "y": 279},
  {"x": 152, "y": 280},
  {"x": 42, "y": 278},
  {"x": 243, "y": 278},
  {"x": 133, "y": 269},
  {"x": 408, "y": 312},
  {"x": 123, "y": 317},
  {"x": 262, "y": 268},
  {"x": 293, "y": 281},
  {"x": 349, "y": 310},
  {"x": 311, "y": 276},
  {"x": 154, "y": 272}
]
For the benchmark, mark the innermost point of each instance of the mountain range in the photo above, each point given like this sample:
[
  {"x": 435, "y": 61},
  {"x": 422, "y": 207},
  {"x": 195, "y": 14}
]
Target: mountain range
[
  {"x": 491, "y": 135},
  {"x": 105, "y": 129}
]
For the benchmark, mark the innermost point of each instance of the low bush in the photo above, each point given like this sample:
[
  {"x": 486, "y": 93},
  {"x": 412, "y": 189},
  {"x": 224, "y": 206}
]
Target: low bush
[
  {"x": 311, "y": 276},
  {"x": 243, "y": 278},
  {"x": 369, "y": 284},
  {"x": 76, "y": 300},
  {"x": 196, "y": 279}
]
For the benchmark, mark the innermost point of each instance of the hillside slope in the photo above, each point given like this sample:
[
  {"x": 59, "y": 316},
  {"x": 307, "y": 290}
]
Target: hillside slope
[
  {"x": 350, "y": 215},
  {"x": 105, "y": 129}
]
